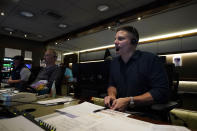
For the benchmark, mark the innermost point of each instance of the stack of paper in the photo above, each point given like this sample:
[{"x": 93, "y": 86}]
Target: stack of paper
[
  {"x": 82, "y": 118},
  {"x": 65, "y": 100}
]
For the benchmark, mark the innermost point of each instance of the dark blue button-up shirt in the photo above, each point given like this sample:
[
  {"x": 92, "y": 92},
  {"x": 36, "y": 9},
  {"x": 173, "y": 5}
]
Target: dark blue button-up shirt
[{"x": 143, "y": 73}]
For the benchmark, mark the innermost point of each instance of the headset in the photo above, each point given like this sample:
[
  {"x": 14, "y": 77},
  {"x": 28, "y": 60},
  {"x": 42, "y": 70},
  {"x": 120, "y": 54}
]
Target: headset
[
  {"x": 133, "y": 31},
  {"x": 134, "y": 41}
]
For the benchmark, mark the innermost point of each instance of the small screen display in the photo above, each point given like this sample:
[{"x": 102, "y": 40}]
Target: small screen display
[
  {"x": 28, "y": 66},
  {"x": 7, "y": 67}
]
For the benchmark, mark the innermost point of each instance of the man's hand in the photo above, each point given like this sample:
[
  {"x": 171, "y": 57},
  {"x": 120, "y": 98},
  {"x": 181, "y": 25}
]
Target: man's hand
[
  {"x": 9, "y": 81},
  {"x": 108, "y": 100},
  {"x": 121, "y": 104}
]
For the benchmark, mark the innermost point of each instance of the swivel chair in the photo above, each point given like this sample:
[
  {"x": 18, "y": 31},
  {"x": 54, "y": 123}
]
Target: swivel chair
[{"x": 174, "y": 100}]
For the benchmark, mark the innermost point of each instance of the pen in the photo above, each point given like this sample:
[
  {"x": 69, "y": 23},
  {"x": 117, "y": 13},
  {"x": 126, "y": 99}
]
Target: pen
[
  {"x": 67, "y": 114},
  {"x": 98, "y": 110}
]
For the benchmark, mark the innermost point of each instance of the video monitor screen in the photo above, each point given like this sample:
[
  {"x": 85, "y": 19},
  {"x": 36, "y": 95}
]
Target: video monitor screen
[
  {"x": 29, "y": 66},
  {"x": 7, "y": 67},
  {"x": 92, "y": 78}
]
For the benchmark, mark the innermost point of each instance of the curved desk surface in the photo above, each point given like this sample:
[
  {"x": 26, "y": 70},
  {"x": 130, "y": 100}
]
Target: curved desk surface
[{"x": 41, "y": 110}]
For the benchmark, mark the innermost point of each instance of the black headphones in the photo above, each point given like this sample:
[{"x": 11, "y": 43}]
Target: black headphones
[
  {"x": 133, "y": 41},
  {"x": 133, "y": 31}
]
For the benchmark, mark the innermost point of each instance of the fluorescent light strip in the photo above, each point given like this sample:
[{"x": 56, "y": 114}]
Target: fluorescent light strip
[
  {"x": 92, "y": 61},
  {"x": 28, "y": 59},
  {"x": 191, "y": 53},
  {"x": 69, "y": 53},
  {"x": 7, "y": 59},
  {"x": 176, "y": 34},
  {"x": 188, "y": 82},
  {"x": 97, "y": 48}
]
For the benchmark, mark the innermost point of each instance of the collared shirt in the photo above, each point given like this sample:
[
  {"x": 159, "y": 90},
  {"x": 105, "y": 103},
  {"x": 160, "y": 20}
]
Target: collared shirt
[
  {"x": 48, "y": 73},
  {"x": 142, "y": 73},
  {"x": 69, "y": 73},
  {"x": 22, "y": 73}
]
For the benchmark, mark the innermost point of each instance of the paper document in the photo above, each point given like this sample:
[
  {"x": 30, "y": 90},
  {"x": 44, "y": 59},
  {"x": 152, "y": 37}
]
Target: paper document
[
  {"x": 80, "y": 109},
  {"x": 168, "y": 128},
  {"x": 64, "y": 99},
  {"x": 82, "y": 118},
  {"x": 19, "y": 123},
  {"x": 114, "y": 113},
  {"x": 86, "y": 108},
  {"x": 94, "y": 122}
]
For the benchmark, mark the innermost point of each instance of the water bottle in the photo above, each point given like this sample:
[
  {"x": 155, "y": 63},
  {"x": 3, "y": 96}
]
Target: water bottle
[
  {"x": 53, "y": 90},
  {"x": 6, "y": 98}
]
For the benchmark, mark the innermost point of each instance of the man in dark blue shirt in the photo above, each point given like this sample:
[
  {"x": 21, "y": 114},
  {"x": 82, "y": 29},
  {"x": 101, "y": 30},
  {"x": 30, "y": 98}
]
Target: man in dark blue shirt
[
  {"x": 136, "y": 78},
  {"x": 20, "y": 74}
]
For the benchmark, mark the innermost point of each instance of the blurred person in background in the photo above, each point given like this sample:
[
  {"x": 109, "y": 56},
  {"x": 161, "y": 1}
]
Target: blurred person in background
[{"x": 20, "y": 74}]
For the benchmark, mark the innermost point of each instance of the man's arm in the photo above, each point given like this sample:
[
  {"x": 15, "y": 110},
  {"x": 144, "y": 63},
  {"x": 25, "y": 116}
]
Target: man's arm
[
  {"x": 144, "y": 99},
  {"x": 10, "y": 81},
  {"x": 112, "y": 92},
  {"x": 122, "y": 103},
  {"x": 158, "y": 81}
]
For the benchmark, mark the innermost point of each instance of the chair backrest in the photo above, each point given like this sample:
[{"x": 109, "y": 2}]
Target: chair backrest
[
  {"x": 34, "y": 73},
  {"x": 173, "y": 78},
  {"x": 59, "y": 79},
  {"x": 163, "y": 110},
  {"x": 92, "y": 78}
]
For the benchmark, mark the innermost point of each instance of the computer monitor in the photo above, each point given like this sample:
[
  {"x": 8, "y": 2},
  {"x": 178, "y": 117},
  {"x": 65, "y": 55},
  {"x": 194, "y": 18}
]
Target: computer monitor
[
  {"x": 7, "y": 64},
  {"x": 7, "y": 67},
  {"x": 29, "y": 66},
  {"x": 92, "y": 78}
]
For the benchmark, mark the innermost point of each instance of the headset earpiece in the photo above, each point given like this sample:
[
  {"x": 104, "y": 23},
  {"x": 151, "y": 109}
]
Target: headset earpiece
[{"x": 134, "y": 42}]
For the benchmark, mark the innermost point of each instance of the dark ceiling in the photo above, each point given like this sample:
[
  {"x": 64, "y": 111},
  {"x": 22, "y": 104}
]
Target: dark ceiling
[{"x": 79, "y": 16}]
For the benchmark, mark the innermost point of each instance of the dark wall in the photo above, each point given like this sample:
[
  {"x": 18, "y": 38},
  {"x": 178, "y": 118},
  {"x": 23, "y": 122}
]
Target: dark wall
[
  {"x": 188, "y": 69},
  {"x": 70, "y": 58},
  {"x": 92, "y": 78},
  {"x": 37, "y": 48}
]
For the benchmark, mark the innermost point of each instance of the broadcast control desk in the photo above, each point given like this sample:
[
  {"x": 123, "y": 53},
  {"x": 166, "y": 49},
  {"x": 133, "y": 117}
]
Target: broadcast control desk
[
  {"x": 42, "y": 110},
  {"x": 39, "y": 111}
]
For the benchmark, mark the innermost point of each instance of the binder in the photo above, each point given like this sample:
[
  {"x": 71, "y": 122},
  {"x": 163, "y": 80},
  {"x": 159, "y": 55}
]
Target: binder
[{"x": 17, "y": 114}]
